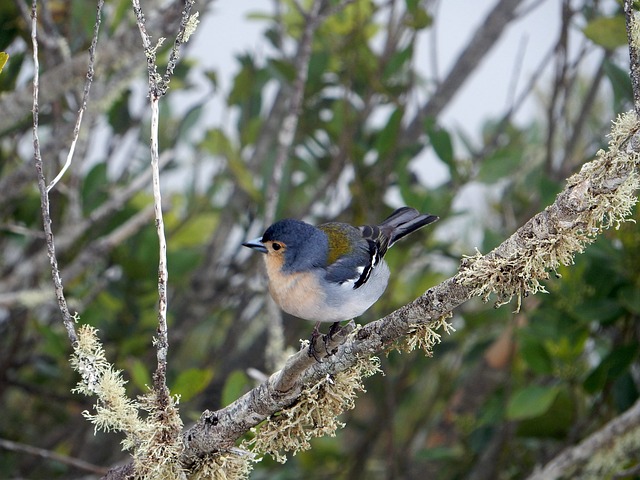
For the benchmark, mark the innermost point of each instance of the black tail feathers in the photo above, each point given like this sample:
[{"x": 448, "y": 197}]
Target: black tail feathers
[{"x": 404, "y": 221}]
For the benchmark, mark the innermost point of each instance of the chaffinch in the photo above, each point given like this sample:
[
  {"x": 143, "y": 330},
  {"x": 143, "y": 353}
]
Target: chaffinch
[{"x": 334, "y": 271}]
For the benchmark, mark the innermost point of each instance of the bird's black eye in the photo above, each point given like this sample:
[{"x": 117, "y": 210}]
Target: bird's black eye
[{"x": 276, "y": 246}]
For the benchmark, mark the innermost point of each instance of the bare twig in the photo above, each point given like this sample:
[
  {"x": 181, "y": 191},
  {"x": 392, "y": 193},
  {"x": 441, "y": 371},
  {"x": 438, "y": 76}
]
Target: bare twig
[
  {"x": 158, "y": 87},
  {"x": 85, "y": 96},
  {"x": 53, "y": 456},
  {"x": 44, "y": 196},
  {"x": 181, "y": 37},
  {"x": 483, "y": 40},
  {"x": 634, "y": 58},
  {"x": 162, "y": 340}
]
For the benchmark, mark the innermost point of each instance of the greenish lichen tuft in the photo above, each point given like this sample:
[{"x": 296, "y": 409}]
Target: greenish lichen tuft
[
  {"x": 598, "y": 197},
  {"x": 425, "y": 336},
  {"x": 155, "y": 441},
  {"x": 314, "y": 413},
  {"x": 228, "y": 465}
]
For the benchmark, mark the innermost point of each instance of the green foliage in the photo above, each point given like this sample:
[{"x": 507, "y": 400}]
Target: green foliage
[{"x": 608, "y": 32}]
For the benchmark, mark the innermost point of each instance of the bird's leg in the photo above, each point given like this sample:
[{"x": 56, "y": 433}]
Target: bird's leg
[
  {"x": 312, "y": 342},
  {"x": 335, "y": 328}
]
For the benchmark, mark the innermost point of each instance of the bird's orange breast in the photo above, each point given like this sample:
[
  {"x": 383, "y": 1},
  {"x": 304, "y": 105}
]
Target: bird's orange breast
[{"x": 297, "y": 293}]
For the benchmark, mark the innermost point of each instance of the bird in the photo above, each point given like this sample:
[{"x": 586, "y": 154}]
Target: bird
[{"x": 334, "y": 271}]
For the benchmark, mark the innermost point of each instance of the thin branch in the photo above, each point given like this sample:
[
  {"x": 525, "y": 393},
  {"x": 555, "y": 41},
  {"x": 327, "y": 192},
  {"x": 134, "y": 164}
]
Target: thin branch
[
  {"x": 181, "y": 37},
  {"x": 85, "y": 96},
  {"x": 53, "y": 456},
  {"x": 44, "y": 196},
  {"x": 158, "y": 87},
  {"x": 483, "y": 40},
  {"x": 162, "y": 340},
  {"x": 634, "y": 58},
  {"x": 575, "y": 458}
]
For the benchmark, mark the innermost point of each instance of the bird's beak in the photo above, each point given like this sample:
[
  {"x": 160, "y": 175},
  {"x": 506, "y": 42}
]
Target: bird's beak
[{"x": 256, "y": 244}]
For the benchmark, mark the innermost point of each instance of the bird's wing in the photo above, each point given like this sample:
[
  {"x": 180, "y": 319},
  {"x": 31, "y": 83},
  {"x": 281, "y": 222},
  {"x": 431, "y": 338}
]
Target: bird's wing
[{"x": 351, "y": 256}]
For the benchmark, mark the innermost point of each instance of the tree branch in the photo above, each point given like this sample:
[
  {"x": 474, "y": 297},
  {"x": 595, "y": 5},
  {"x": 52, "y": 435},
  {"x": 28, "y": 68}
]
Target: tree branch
[
  {"x": 631, "y": 23},
  {"x": 42, "y": 187},
  {"x": 85, "y": 96},
  {"x": 478, "y": 47},
  {"x": 598, "y": 197},
  {"x": 584, "y": 456},
  {"x": 53, "y": 456}
]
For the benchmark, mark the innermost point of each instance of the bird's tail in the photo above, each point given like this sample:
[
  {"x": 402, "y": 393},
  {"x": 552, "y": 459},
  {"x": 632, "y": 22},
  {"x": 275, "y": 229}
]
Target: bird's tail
[{"x": 404, "y": 221}]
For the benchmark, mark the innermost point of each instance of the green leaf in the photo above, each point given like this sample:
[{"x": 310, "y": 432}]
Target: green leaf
[
  {"x": 601, "y": 310},
  {"x": 4, "y": 57},
  {"x": 555, "y": 422},
  {"x": 611, "y": 367},
  {"x": 139, "y": 372},
  {"x": 397, "y": 62},
  {"x": 236, "y": 385},
  {"x": 441, "y": 142},
  {"x": 625, "y": 392},
  {"x": 531, "y": 402},
  {"x": 536, "y": 356},
  {"x": 387, "y": 138},
  {"x": 620, "y": 82},
  {"x": 218, "y": 143},
  {"x": 499, "y": 165},
  {"x": 629, "y": 297},
  {"x": 191, "y": 382},
  {"x": 94, "y": 188},
  {"x": 195, "y": 231},
  {"x": 608, "y": 32}
]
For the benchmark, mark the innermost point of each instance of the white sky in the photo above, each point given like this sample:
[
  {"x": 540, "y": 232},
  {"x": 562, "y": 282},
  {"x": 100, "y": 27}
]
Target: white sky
[{"x": 225, "y": 32}]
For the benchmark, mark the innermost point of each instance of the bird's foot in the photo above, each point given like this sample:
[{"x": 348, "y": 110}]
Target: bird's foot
[
  {"x": 315, "y": 333},
  {"x": 326, "y": 340}
]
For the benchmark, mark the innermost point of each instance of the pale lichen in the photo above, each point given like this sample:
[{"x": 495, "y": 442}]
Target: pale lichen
[
  {"x": 191, "y": 26},
  {"x": 425, "y": 336},
  {"x": 598, "y": 197},
  {"x": 114, "y": 411},
  {"x": 313, "y": 414},
  {"x": 616, "y": 456},
  {"x": 635, "y": 32},
  {"x": 234, "y": 464},
  {"x": 155, "y": 442},
  {"x": 157, "y": 454}
]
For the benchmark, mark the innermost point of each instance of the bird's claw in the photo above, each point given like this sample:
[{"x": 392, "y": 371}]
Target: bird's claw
[{"x": 326, "y": 340}]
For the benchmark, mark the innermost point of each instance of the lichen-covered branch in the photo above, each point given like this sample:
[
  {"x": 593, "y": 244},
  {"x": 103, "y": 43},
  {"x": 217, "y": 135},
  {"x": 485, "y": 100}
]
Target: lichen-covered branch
[
  {"x": 601, "y": 454},
  {"x": 600, "y": 196},
  {"x": 633, "y": 34}
]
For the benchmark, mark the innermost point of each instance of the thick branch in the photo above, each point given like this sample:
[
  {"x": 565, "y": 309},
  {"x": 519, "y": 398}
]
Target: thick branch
[
  {"x": 565, "y": 220},
  {"x": 577, "y": 458}
]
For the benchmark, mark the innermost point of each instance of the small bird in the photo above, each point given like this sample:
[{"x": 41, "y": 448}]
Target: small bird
[{"x": 334, "y": 271}]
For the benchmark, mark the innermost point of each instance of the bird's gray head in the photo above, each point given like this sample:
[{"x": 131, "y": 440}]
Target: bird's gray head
[{"x": 304, "y": 245}]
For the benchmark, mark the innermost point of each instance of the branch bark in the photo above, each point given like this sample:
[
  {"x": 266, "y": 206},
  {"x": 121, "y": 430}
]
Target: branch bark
[
  {"x": 567, "y": 219},
  {"x": 578, "y": 458}
]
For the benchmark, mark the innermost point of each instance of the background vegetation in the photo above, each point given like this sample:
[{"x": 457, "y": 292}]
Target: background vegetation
[{"x": 502, "y": 395}]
